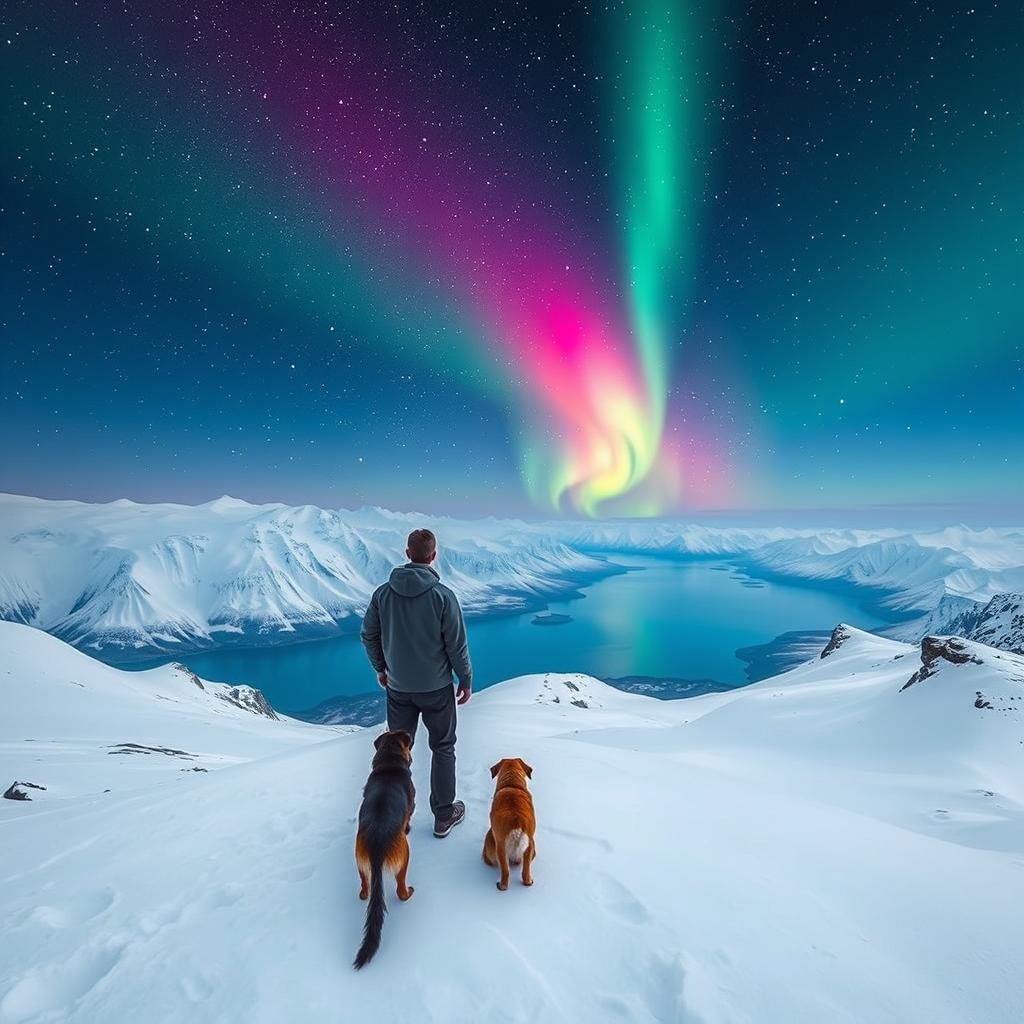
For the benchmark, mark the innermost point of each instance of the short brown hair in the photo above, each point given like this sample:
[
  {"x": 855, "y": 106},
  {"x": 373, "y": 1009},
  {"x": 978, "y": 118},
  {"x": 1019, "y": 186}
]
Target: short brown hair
[{"x": 421, "y": 545}]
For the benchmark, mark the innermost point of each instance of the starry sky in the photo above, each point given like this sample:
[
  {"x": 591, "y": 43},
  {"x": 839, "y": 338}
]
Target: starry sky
[{"x": 621, "y": 259}]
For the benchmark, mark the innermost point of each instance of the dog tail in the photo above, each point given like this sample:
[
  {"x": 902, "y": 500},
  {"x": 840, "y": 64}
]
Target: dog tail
[
  {"x": 375, "y": 911},
  {"x": 516, "y": 844}
]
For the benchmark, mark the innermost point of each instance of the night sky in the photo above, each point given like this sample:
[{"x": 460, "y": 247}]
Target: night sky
[{"x": 618, "y": 259}]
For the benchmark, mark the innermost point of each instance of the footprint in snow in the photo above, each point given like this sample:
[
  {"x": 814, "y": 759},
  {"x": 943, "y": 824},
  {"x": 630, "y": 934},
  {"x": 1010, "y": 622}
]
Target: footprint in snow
[
  {"x": 296, "y": 873},
  {"x": 619, "y": 901},
  {"x": 76, "y": 910},
  {"x": 53, "y": 989},
  {"x": 580, "y": 836},
  {"x": 221, "y": 896},
  {"x": 196, "y": 987},
  {"x": 658, "y": 994}
]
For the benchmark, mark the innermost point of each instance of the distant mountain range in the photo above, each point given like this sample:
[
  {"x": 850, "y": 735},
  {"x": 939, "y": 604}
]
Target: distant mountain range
[
  {"x": 125, "y": 580},
  {"x": 908, "y": 572},
  {"x": 128, "y": 581}
]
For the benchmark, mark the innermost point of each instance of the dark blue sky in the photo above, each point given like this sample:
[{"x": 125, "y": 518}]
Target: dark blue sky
[{"x": 200, "y": 295}]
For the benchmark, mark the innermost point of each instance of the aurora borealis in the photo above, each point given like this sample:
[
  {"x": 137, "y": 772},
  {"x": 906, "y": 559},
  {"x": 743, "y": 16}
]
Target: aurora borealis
[{"x": 641, "y": 259}]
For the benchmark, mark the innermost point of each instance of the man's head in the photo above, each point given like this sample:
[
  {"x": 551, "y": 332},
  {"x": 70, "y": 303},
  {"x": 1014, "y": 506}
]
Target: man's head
[{"x": 421, "y": 547}]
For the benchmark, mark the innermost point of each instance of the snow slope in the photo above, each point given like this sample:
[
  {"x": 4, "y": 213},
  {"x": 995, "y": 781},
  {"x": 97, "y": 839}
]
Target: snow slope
[
  {"x": 80, "y": 727},
  {"x": 124, "y": 579},
  {"x": 829, "y": 845}
]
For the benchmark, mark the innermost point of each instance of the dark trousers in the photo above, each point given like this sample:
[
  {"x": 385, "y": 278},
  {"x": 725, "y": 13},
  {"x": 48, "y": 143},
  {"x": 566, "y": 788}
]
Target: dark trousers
[{"x": 438, "y": 711}]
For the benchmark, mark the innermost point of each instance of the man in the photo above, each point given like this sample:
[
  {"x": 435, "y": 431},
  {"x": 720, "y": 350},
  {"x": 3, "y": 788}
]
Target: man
[{"x": 415, "y": 638}]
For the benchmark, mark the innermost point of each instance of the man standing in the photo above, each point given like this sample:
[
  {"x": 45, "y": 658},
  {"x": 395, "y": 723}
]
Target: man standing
[{"x": 415, "y": 638}]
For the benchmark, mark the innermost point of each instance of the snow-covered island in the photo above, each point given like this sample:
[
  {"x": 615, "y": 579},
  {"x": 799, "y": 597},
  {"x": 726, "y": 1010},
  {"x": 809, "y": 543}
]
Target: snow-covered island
[
  {"x": 551, "y": 619},
  {"x": 840, "y": 843}
]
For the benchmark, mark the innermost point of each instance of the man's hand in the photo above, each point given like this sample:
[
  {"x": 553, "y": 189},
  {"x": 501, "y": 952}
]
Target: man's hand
[
  {"x": 382, "y": 678},
  {"x": 463, "y": 693}
]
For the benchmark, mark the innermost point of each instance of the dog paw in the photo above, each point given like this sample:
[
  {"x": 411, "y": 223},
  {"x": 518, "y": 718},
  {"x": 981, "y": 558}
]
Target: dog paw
[
  {"x": 527, "y": 881},
  {"x": 408, "y": 894},
  {"x": 502, "y": 886},
  {"x": 364, "y": 895}
]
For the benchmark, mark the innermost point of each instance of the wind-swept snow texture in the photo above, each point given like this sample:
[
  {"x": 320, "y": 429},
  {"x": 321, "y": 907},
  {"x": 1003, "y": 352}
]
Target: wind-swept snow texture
[
  {"x": 129, "y": 581},
  {"x": 830, "y": 845}
]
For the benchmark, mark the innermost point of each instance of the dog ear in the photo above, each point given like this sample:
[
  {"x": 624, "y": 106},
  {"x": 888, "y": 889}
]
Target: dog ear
[
  {"x": 526, "y": 768},
  {"x": 404, "y": 737},
  {"x": 379, "y": 740},
  {"x": 495, "y": 768}
]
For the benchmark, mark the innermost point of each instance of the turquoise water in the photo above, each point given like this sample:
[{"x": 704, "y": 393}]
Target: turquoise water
[{"x": 681, "y": 620}]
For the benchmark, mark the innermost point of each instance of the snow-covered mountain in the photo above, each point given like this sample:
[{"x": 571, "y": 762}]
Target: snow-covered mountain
[
  {"x": 128, "y": 580},
  {"x": 123, "y": 579},
  {"x": 909, "y": 571},
  {"x": 999, "y": 622},
  {"x": 829, "y": 845}
]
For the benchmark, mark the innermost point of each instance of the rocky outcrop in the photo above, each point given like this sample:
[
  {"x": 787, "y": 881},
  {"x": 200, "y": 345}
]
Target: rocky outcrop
[
  {"x": 839, "y": 636},
  {"x": 19, "y": 790},
  {"x": 248, "y": 698},
  {"x": 185, "y": 670},
  {"x": 142, "y": 748},
  {"x": 936, "y": 649},
  {"x": 1001, "y": 623}
]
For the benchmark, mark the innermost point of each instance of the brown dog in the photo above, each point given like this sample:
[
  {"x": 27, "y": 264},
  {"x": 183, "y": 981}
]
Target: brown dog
[
  {"x": 510, "y": 839},
  {"x": 388, "y": 802}
]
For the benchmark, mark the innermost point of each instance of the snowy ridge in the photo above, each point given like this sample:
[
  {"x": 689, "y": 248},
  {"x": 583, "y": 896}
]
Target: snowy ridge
[
  {"x": 80, "y": 727},
  {"x": 124, "y": 579},
  {"x": 129, "y": 580},
  {"x": 829, "y": 845},
  {"x": 1001, "y": 623},
  {"x": 997, "y": 623},
  {"x": 912, "y": 571}
]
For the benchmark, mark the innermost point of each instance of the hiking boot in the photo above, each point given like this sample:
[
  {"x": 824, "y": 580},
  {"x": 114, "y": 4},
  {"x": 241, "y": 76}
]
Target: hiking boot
[{"x": 442, "y": 826}]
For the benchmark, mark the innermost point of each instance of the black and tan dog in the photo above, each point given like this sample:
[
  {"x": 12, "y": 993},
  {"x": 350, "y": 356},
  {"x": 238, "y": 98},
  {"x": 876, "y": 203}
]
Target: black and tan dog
[
  {"x": 388, "y": 802},
  {"x": 510, "y": 839}
]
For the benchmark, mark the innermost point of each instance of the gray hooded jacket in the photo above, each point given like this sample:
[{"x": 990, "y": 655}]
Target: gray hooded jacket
[{"x": 413, "y": 630}]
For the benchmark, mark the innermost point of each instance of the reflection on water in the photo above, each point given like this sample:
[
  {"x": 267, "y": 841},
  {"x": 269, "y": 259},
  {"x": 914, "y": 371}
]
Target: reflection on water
[{"x": 683, "y": 620}]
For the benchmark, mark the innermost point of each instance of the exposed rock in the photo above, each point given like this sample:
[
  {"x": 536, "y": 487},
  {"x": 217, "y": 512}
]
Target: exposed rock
[
  {"x": 940, "y": 648},
  {"x": 185, "y": 670},
  {"x": 16, "y": 790},
  {"x": 839, "y": 636},
  {"x": 1001, "y": 623},
  {"x": 138, "y": 748},
  {"x": 248, "y": 698},
  {"x": 998, "y": 623}
]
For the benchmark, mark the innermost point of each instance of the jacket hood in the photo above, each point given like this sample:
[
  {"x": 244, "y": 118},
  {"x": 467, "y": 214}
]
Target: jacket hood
[{"x": 411, "y": 580}]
